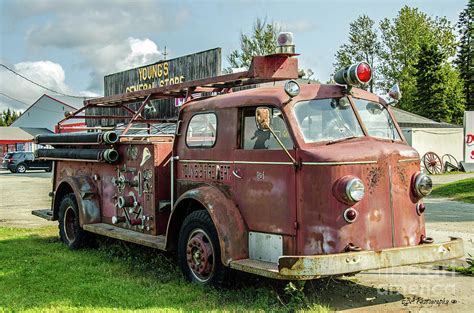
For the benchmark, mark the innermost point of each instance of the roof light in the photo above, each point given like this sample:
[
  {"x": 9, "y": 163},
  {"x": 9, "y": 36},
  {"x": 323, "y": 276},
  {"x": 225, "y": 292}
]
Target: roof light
[
  {"x": 292, "y": 88},
  {"x": 359, "y": 73},
  {"x": 285, "y": 43}
]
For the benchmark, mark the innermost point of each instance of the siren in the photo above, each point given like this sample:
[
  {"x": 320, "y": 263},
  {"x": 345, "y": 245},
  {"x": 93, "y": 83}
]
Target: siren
[{"x": 359, "y": 73}]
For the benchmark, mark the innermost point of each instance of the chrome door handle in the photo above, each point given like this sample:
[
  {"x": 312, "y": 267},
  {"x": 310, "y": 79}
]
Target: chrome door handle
[{"x": 236, "y": 174}]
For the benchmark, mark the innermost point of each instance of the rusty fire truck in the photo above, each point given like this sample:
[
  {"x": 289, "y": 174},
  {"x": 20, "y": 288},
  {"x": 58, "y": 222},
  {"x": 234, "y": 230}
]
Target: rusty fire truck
[{"x": 289, "y": 182}]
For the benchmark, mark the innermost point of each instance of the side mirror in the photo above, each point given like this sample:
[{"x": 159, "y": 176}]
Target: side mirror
[
  {"x": 395, "y": 93},
  {"x": 263, "y": 118}
]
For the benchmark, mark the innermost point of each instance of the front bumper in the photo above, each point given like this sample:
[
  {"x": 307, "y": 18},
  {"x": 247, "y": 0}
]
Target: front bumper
[{"x": 310, "y": 267}]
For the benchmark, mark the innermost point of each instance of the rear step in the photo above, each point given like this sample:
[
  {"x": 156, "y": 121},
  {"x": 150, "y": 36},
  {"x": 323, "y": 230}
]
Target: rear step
[
  {"x": 47, "y": 214},
  {"x": 157, "y": 242},
  {"x": 257, "y": 267}
]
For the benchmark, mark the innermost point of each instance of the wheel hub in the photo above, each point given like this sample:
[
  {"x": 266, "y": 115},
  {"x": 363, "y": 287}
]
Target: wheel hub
[
  {"x": 69, "y": 224},
  {"x": 200, "y": 255}
]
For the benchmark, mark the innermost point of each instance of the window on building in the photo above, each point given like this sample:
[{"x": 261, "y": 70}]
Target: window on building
[
  {"x": 252, "y": 138},
  {"x": 202, "y": 130}
]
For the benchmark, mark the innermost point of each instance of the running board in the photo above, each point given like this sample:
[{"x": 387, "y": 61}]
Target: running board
[
  {"x": 157, "y": 242},
  {"x": 47, "y": 214}
]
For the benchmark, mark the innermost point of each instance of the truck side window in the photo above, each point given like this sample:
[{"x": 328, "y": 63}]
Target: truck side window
[
  {"x": 202, "y": 130},
  {"x": 252, "y": 138}
]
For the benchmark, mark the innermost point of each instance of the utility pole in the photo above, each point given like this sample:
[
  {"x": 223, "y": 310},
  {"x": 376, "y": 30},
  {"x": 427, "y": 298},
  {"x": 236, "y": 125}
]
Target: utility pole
[{"x": 164, "y": 54}]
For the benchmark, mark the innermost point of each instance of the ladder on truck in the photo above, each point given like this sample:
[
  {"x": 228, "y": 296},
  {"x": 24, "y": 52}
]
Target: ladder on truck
[{"x": 263, "y": 69}]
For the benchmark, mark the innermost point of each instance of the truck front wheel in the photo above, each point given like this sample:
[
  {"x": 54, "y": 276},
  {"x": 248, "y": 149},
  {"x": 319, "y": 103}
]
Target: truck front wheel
[
  {"x": 70, "y": 230},
  {"x": 199, "y": 253}
]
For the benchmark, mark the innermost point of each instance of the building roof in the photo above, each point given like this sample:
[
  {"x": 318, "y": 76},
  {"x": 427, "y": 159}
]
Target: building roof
[
  {"x": 74, "y": 103},
  {"x": 411, "y": 120},
  {"x": 20, "y": 134}
]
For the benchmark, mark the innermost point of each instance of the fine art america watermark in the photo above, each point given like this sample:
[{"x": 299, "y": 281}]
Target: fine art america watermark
[{"x": 428, "y": 290}]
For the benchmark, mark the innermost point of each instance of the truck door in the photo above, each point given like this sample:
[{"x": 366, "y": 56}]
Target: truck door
[{"x": 264, "y": 176}]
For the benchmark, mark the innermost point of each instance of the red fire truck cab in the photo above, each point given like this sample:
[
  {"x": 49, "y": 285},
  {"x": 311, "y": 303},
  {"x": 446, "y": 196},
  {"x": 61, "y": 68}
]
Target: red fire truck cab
[{"x": 287, "y": 181}]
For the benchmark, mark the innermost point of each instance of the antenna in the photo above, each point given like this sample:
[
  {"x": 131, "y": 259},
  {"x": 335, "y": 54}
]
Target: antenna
[{"x": 165, "y": 54}]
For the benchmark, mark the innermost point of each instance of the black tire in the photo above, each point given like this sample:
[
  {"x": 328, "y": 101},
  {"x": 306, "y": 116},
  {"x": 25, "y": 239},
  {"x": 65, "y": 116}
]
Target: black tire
[
  {"x": 198, "y": 246},
  {"x": 70, "y": 230},
  {"x": 21, "y": 168}
]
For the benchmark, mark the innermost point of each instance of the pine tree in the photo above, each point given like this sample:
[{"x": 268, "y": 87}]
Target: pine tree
[
  {"x": 439, "y": 93},
  {"x": 402, "y": 39},
  {"x": 465, "y": 55}
]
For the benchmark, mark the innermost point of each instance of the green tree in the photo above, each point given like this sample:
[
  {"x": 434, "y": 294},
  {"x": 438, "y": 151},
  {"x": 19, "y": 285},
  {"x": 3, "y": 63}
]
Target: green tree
[
  {"x": 438, "y": 88},
  {"x": 363, "y": 45},
  {"x": 262, "y": 41},
  {"x": 402, "y": 39},
  {"x": 465, "y": 56},
  {"x": 8, "y": 117}
]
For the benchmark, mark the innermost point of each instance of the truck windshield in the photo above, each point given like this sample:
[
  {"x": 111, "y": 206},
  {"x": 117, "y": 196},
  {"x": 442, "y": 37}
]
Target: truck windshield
[
  {"x": 327, "y": 120},
  {"x": 376, "y": 119}
]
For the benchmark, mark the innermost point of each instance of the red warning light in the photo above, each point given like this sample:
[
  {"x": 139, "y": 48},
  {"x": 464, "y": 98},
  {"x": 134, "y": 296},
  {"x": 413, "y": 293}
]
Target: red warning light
[{"x": 364, "y": 73}]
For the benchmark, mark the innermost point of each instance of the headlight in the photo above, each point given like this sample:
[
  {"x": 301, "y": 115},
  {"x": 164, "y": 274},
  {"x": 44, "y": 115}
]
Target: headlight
[
  {"x": 423, "y": 185},
  {"x": 355, "y": 190},
  {"x": 292, "y": 88}
]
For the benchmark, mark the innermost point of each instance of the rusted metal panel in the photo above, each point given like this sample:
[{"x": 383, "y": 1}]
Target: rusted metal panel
[{"x": 335, "y": 264}]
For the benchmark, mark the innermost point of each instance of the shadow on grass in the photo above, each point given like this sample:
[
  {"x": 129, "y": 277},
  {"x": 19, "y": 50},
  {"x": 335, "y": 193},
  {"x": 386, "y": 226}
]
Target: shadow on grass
[{"x": 39, "y": 272}]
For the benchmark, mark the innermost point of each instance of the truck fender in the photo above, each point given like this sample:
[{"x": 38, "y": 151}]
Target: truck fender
[
  {"x": 87, "y": 198},
  {"x": 230, "y": 226}
]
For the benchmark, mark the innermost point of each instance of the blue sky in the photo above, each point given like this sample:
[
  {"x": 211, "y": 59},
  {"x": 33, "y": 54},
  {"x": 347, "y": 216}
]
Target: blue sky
[{"x": 70, "y": 45}]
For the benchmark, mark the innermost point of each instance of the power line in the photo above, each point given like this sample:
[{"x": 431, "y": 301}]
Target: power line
[
  {"x": 9, "y": 97},
  {"x": 38, "y": 108},
  {"x": 37, "y": 84}
]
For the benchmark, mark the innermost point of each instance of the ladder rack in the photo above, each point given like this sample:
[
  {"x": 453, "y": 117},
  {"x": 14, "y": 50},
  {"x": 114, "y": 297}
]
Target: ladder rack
[{"x": 263, "y": 69}]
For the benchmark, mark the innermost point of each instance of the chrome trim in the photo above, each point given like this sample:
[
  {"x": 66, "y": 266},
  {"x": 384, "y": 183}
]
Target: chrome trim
[
  {"x": 340, "y": 163},
  {"x": 278, "y": 163},
  {"x": 391, "y": 204},
  {"x": 268, "y": 163},
  {"x": 172, "y": 160},
  {"x": 409, "y": 160},
  {"x": 235, "y": 162},
  {"x": 206, "y": 161}
]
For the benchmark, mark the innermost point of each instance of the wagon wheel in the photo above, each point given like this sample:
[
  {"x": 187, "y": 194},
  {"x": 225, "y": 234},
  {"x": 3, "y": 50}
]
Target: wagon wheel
[
  {"x": 432, "y": 163},
  {"x": 449, "y": 163}
]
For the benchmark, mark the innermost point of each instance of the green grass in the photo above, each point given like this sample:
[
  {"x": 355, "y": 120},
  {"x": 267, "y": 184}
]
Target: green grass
[
  {"x": 38, "y": 273},
  {"x": 465, "y": 270},
  {"x": 461, "y": 190}
]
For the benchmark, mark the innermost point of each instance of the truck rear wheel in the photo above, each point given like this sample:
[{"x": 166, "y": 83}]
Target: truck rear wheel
[
  {"x": 199, "y": 252},
  {"x": 70, "y": 230}
]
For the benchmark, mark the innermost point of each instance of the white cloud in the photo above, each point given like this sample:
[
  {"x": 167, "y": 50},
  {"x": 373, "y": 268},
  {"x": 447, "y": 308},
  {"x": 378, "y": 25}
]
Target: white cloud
[
  {"x": 46, "y": 73},
  {"x": 92, "y": 23},
  {"x": 130, "y": 53},
  {"x": 299, "y": 26},
  {"x": 142, "y": 52},
  {"x": 111, "y": 58}
]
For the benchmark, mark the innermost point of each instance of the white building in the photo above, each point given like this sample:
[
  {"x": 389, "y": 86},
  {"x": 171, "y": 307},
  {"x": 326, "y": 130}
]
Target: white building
[
  {"x": 426, "y": 135},
  {"x": 47, "y": 111}
]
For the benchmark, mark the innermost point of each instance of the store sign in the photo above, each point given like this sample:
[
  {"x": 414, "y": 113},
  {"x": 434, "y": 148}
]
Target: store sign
[
  {"x": 469, "y": 136},
  {"x": 195, "y": 66},
  {"x": 169, "y": 72}
]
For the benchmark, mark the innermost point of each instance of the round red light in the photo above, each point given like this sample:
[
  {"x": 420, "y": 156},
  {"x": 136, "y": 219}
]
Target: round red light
[
  {"x": 364, "y": 72},
  {"x": 420, "y": 208},
  {"x": 350, "y": 215}
]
